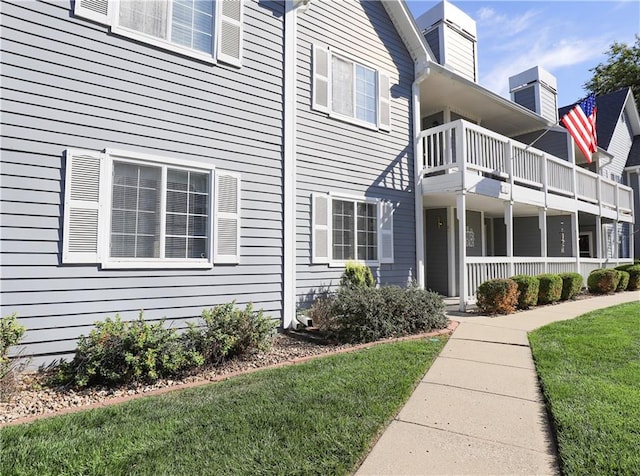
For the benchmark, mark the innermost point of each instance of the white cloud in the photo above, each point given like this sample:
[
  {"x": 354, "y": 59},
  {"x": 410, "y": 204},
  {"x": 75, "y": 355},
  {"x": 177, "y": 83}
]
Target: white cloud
[{"x": 493, "y": 24}]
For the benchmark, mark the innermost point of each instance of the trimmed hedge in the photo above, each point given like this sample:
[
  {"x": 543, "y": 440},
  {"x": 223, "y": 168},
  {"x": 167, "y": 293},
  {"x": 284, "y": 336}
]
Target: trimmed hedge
[
  {"x": 357, "y": 275},
  {"x": 571, "y": 285},
  {"x": 528, "y": 287},
  {"x": 603, "y": 281},
  {"x": 498, "y": 296},
  {"x": 634, "y": 277},
  {"x": 550, "y": 288},
  {"x": 623, "y": 267},
  {"x": 623, "y": 282}
]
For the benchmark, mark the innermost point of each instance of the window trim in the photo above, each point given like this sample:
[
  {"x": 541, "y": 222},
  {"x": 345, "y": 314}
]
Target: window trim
[
  {"x": 117, "y": 29},
  {"x": 107, "y": 262}
]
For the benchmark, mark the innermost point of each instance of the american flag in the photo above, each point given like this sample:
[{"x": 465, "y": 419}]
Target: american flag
[{"x": 581, "y": 124}]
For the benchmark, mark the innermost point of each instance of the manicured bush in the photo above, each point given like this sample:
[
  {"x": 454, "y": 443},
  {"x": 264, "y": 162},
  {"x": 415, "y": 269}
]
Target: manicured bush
[
  {"x": 634, "y": 277},
  {"x": 623, "y": 282},
  {"x": 10, "y": 335},
  {"x": 363, "y": 314},
  {"x": 321, "y": 312},
  {"x": 571, "y": 285},
  {"x": 603, "y": 281},
  {"x": 550, "y": 288},
  {"x": 497, "y": 296},
  {"x": 528, "y": 287},
  {"x": 119, "y": 351},
  {"x": 623, "y": 267},
  {"x": 358, "y": 275},
  {"x": 227, "y": 331}
]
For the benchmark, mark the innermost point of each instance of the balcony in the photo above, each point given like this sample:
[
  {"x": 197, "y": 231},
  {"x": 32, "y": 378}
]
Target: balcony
[{"x": 477, "y": 160}]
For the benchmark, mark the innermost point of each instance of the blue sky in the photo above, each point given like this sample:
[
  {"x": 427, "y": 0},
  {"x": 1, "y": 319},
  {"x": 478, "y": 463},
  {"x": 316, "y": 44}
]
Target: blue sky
[{"x": 566, "y": 38}]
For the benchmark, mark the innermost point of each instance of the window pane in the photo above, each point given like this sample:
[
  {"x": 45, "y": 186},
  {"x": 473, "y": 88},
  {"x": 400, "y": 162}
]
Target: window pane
[
  {"x": 366, "y": 97},
  {"x": 145, "y": 16},
  {"x": 192, "y": 24},
  {"x": 342, "y": 86},
  {"x": 367, "y": 223},
  {"x": 187, "y": 215},
  {"x": 343, "y": 230},
  {"x": 135, "y": 211}
]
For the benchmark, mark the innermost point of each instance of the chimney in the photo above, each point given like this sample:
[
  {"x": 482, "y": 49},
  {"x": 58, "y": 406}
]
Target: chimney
[
  {"x": 451, "y": 35},
  {"x": 537, "y": 90}
]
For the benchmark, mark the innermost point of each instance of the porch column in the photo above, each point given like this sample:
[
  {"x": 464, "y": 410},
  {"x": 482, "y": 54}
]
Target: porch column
[
  {"x": 542, "y": 219},
  {"x": 462, "y": 249},
  {"x": 575, "y": 239},
  {"x": 451, "y": 250},
  {"x": 508, "y": 221},
  {"x": 598, "y": 237},
  {"x": 616, "y": 244}
]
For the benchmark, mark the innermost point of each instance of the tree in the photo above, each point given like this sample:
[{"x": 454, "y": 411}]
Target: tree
[{"x": 621, "y": 70}]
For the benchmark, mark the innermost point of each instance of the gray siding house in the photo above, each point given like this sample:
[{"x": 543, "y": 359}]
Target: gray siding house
[{"x": 168, "y": 158}]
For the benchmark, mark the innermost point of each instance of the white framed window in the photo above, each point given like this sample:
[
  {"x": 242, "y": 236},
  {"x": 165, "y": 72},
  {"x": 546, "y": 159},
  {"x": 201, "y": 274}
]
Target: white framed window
[
  {"x": 129, "y": 210},
  {"x": 348, "y": 90},
  {"x": 205, "y": 29},
  {"x": 349, "y": 228}
]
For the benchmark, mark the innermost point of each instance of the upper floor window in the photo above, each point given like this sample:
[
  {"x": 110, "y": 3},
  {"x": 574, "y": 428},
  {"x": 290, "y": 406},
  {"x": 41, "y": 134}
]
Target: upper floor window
[
  {"x": 127, "y": 210},
  {"x": 349, "y": 90},
  {"x": 206, "y": 29}
]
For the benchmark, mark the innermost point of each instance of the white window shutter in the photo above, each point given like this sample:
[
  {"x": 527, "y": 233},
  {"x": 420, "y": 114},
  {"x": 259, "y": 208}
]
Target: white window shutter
[
  {"x": 230, "y": 31},
  {"x": 385, "y": 240},
  {"x": 320, "y": 213},
  {"x": 320, "y": 92},
  {"x": 226, "y": 232},
  {"x": 82, "y": 196},
  {"x": 384, "y": 102},
  {"x": 96, "y": 10}
]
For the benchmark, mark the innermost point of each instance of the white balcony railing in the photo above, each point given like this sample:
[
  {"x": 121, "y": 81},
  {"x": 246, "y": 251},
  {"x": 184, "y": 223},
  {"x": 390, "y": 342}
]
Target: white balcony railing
[{"x": 460, "y": 145}]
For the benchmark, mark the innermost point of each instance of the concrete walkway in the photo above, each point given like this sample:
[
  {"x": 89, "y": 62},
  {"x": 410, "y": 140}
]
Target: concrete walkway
[{"x": 479, "y": 409}]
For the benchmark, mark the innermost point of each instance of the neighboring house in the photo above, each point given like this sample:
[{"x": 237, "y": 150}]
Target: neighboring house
[
  {"x": 495, "y": 203},
  {"x": 168, "y": 157},
  {"x": 618, "y": 157}
]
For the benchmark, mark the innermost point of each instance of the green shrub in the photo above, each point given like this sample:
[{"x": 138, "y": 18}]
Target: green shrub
[
  {"x": 623, "y": 281},
  {"x": 623, "y": 267},
  {"x": 571, "y": 285},
  {"x": 550, "y": 288},
  {"x": 228, "y": 331},
  {"x": 528, "y": 287},
  {"x": 634, "y": 277},
  {"x": 497, "y": 296},
  {"x": 119, "y": 351},
  {"x": 321, "y": 313},
  {"x": 603, "y": 281},
  {"x": 357, "y": 275},
  {"x": 10, "y": 335},
  {"x": 364, "y": 314}
]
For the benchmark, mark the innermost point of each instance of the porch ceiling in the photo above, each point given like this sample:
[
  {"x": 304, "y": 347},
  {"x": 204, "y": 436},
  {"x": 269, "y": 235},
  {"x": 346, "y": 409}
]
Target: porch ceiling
[{"x": 443, "y": 88}]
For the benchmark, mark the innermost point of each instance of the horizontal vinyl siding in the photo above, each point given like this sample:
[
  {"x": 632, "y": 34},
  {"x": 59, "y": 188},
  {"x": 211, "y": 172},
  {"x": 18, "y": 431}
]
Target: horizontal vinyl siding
[
  {"x": 619, "y": 146},
  {"x": 68, "y": 83},
  {"x": 459, "y": 53},
  {"x": 336, "y": 156}
]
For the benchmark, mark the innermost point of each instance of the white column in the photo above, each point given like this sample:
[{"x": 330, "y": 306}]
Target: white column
[
  {"x": 508, "y": 221},
  {"x": 542, "y": 219},
  {"x": 598, "y": 237},
  {"x": 418, "y": 150},
  {"x": 575, "y": 239},
  {"x": 462, "y": 249},
  {"x": 451, "y": 250}
]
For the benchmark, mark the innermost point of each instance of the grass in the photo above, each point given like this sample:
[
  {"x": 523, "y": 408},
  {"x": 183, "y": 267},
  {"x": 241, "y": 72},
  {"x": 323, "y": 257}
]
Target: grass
[
  {"x": 315, "y": 418},
  {"x": 590, "y": 373}
]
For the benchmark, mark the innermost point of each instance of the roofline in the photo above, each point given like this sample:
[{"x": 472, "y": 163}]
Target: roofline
[
  {"x": 410, "y": 33},
  {"x": 439, "y": 69},
  {"x": 634, "y": 109}
]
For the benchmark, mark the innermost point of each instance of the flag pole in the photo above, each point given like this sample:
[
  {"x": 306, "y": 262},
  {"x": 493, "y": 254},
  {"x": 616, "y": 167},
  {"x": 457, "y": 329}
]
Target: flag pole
[{"x": 542, "y": 135}]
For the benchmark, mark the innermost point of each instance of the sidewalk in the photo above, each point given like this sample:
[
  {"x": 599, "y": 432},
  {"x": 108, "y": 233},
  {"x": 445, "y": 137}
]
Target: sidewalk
[{"x": 479, "y": 409}]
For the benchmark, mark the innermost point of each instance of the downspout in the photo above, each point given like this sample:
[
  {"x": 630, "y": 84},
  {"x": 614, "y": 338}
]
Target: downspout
[
  {"x": 289, "y": 166},
  {"x": 422, "y": 72}
]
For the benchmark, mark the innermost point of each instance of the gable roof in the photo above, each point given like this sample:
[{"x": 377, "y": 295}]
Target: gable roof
[
  {"x": 609, "y": 109},
  {"x": 634, "y": 154},
  {"x": 402, "y": 19}
]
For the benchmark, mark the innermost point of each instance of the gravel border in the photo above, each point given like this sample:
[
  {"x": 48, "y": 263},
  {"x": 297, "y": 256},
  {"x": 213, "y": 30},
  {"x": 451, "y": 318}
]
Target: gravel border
[{"x": 33, "y": 400}]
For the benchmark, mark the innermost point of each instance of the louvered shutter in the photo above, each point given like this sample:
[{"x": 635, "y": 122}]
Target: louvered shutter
[
  {"x": 230, "y": 33},
  {"x": 320, "y": 93},
  {"x": 384, "y": 102},
  {"x": 226, "y": 232},
  {"x": 82, "y": 195},
  {"x": 96, "y": 10},
  {"x": 385, "y": 240},
  {"x": 320, "y": 207}
]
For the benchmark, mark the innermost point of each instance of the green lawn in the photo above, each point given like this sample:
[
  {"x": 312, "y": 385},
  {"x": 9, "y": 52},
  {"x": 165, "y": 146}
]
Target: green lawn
[
  {"x": 590, "y": 372},
  {"x": 315, "y": 418}
]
